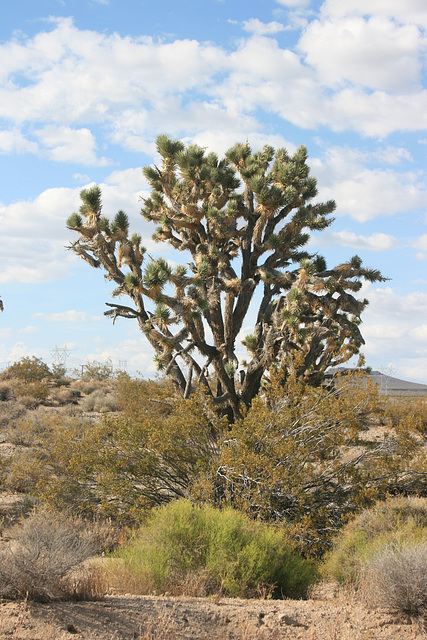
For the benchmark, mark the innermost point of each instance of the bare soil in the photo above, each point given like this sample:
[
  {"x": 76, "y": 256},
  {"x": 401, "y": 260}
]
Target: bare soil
[{"x": 124, "y": 617}]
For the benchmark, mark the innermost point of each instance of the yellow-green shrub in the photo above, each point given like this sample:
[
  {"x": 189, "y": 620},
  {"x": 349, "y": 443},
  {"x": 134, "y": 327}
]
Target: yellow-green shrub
[
  {"x": 238, "y": 556},
  {"x": 397, "y": 521},
  {"x": 29, "y": 369}
]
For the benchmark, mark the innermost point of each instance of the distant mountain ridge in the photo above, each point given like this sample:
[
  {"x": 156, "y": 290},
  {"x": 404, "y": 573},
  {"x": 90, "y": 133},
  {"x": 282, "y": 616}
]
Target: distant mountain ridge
[{"x": 390, "y": 386}]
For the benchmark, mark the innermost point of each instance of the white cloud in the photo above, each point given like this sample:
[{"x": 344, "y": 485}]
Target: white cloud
[
  {"x": 30, "y": 271},
  {"x": 293, "y": 4},
  {"x": 394, "y": 330},
  {"x": 420, "y": 243},
  {"x": 81, "y": 177},
  {"x": 374, "y": 192},
  {"x": 29, "y": 329},
  {"x": 68, "y": 316},
  {"x": 384, "y": 302},
  {"x": 127, "y": 180},
  {"x": 420, "y": 333},
  {"x": 392, "y": 155},
  {"x": 41, "y": 218},
  {"x": 365, "y": 193},
  {"x": 383, "y": 332},
  {"x": 421, "y": 257},
  {"x": 82, "y": 76},
  {"x": 261, "y": 58},
  {"x": 374, "y": 114},
  {"x": 374, "y": 53},
  {"x": 408, "y": 12},
  {"x": 415, "y": 372},
  {"x": 136, "y": 353},
  {"x": 134, "y": 128},
  {"x": 261, "y": 28},
  {"x": 76, "y": 79},
  {"x": 375, "y": 242},
  {"x": 65, "y": 144},
  {"x": 19, "y": 350},
  {"x": 13, "y": 141}
]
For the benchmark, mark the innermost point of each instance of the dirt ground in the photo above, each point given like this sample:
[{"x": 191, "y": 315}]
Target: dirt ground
[{"x": 167, "y": 618}]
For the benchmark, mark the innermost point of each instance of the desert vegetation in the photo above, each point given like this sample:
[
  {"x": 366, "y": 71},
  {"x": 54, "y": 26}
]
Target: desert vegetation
[
  {"x": 310, "y": 483},
  {"x": 183, "y": 546},
  {"x": 39, "y": 558},
  {"x": 383, "y": 551}
]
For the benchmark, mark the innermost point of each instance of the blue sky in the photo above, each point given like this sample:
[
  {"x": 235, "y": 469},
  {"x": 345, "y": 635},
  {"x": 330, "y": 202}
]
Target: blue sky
[{"x": 86, "y": 86}]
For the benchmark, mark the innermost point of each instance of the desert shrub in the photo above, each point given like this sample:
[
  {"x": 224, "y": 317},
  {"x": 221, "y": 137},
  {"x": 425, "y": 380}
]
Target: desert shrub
[
  {"x": 397, "y": 521},
  {"x": 23, "y": 473},
  {"x": 13, "y": 510},
  {"x": 52, "y": 446},
  {"x": 397, "y": 576},
  {"x": 94, "y": 370},
  {"x": 86, "y": 387},
  {"x": 59, "y": 373},
  {"x": 33, "y": 429},
  {"x": 32, "y": 394},
  {"x": 121, "y": 467},
  {"x": 63, "y": 395},
  {"x": 139, "y": 398},
  {"x": 405, "y": 411},
  {"x": 11, "y": 411},
  {"x": 29, "y": 369},
  {"x": 6, "y": 391},
  {"x": 236, "y": 555},
  {"x": 99, "y": 401},
  {"x": 299, "y": 455},
  {"x": 39, "y": 560}
]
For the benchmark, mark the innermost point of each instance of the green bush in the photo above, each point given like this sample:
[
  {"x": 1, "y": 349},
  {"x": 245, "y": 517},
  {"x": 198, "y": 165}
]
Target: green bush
[
  {"x": 399, "y": 522},
  {"x": 28, "y": 369},
  {"x": 237, "y": 556},
  {"x": 94, "y": 370}
]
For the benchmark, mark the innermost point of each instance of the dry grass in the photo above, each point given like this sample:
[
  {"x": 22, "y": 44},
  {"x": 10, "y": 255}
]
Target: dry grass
[
  {"x": 397, "y": 577},
  {"x": 86, "y": 387},
  {"x": 100, "y": 402},
  {"x": 42, "y": 557}
]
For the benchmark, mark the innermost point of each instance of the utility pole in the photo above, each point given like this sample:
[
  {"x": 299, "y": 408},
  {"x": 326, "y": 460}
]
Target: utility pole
[
  {"x": 123, "y": 365},
  {"x": 59, "y": 356},
  {"x": 386, "y": 374}
]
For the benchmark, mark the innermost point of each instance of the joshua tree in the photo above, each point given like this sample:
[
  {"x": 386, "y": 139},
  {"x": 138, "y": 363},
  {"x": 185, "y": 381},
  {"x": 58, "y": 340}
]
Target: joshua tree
[{"x": 243, "y": 222}]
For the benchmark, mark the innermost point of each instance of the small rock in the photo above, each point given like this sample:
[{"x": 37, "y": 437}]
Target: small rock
[{"x": 292, "y": 622}]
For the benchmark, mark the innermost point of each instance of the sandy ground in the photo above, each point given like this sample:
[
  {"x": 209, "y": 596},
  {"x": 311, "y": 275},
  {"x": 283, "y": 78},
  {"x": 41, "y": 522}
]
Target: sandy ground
[{"x": 167, "y": 618}]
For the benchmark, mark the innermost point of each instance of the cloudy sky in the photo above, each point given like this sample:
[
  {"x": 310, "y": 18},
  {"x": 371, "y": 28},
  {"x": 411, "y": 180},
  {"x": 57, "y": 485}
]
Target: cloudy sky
[{"x": 87, "y": 85}]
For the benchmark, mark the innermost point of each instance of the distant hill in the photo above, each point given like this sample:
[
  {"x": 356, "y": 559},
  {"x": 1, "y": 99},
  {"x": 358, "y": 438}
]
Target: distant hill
[{"x": 390, "y": 386}]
